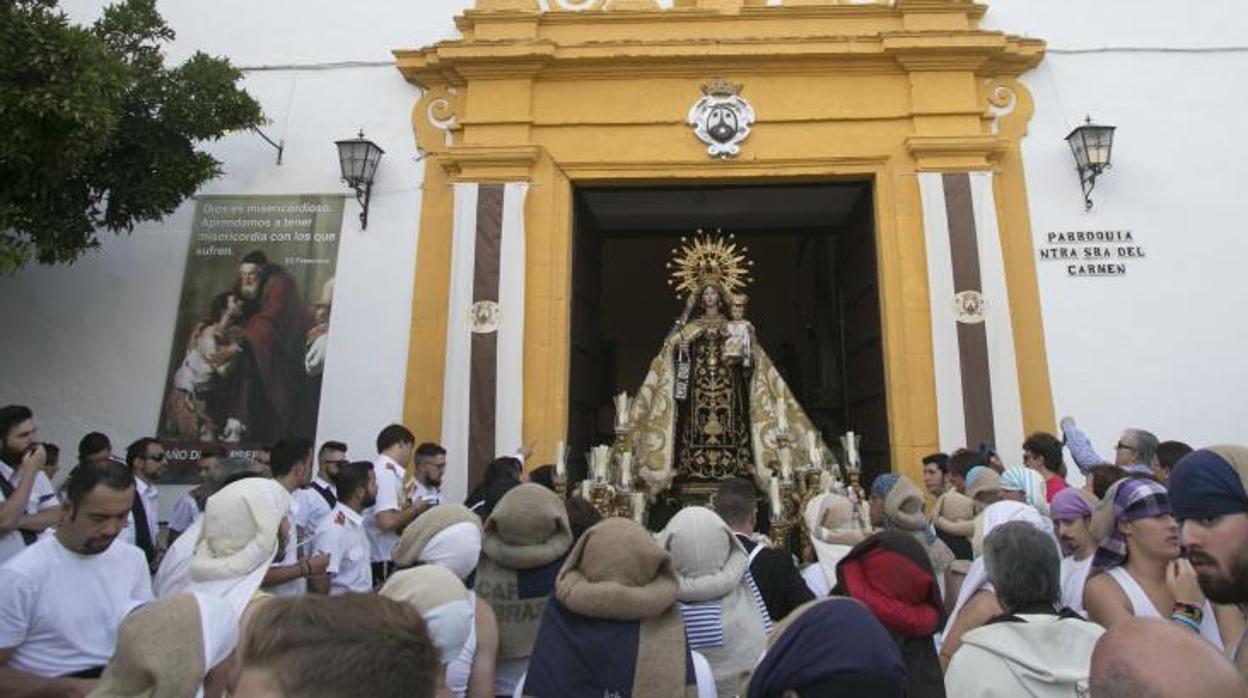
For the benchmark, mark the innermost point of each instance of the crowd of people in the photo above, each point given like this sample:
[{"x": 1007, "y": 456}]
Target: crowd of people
[{"x": 318, "y": 574}]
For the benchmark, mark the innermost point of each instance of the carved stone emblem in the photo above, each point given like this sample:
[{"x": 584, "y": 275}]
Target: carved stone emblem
[
  {"x": 721, "y": 119},
  {"x": 484, "y": 317},
  {"x": 969, "y": 307}
]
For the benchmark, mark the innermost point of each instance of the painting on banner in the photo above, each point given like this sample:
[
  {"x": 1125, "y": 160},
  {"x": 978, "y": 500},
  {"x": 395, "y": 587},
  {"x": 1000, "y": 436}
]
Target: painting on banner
[{"x": 249, "y": 343}]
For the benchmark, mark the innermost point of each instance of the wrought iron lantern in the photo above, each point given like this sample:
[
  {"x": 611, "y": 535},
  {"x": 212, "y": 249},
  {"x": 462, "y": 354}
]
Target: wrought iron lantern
[
  {"x": 359, "y": 158},
  {"x": 1091, "y": 144}
]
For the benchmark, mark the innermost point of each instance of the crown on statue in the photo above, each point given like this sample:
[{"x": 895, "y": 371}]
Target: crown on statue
[
  {"x": 709, "y": 259},
  {"x": 721, "y": 88}
]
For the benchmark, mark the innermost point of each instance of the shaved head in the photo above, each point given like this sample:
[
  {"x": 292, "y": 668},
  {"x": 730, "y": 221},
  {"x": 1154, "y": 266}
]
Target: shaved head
[{"x": 1137, "y": 659}]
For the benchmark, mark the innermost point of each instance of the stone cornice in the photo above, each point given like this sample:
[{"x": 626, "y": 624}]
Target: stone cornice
[
  {"x": 469, "y": 19},
  {"x": 454, "y": 63},
  {"x": 490, "y": 163},
  {"x": 942, "y": 153}
]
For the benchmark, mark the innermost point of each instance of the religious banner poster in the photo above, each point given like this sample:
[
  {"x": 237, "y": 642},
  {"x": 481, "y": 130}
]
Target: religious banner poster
[{"x": 253, "y": 321}]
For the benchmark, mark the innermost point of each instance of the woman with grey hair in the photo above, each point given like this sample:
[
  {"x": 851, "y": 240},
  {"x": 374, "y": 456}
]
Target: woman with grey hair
[{"x": 1037, "y": 647}]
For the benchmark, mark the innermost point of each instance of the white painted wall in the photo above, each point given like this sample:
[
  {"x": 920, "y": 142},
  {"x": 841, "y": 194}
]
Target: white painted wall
[
  {"x": 87, "y": 346},
  {"x": 1162, "y": 348}
]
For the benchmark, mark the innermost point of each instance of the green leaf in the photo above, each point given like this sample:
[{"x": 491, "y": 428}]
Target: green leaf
[{"x": 100, "y": 133}]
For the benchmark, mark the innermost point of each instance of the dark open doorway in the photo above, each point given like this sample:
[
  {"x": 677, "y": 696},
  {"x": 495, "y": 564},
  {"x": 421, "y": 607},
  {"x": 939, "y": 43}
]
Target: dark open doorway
[{"x": 814, "y": 302}]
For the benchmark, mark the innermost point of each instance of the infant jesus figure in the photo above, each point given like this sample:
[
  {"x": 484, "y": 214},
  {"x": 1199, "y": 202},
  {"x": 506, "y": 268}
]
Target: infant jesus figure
[{"x": 739, "y": 343}]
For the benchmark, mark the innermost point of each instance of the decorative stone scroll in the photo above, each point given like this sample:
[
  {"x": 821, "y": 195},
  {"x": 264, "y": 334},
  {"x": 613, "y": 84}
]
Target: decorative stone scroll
[{"x": 435, "y": 118}]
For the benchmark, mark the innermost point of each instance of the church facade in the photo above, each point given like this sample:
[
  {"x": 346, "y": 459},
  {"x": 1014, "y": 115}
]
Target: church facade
[{"x": 926, "y": 225}]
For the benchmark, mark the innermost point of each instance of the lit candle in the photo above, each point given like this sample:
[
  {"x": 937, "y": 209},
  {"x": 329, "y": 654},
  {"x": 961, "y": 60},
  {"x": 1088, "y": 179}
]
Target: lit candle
[
  {"x": 786, "y": 464},
  {"x": 782, "y": 418},
  {"x": 600, "y": 456},
  {"x": 852, "y": 451},
  {"x": 639, "y": 507},
  {"x": 626, "y": 470},
  {"x": 621, "y": 410},
  {"x": 812, "y": 445},
  {"x": 773, "y": 492},
  {"x": 561, "y": 466},
  {"x": 585, "y": 490}
]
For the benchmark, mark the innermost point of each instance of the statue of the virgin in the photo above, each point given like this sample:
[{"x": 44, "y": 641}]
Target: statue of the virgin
[{"x": 713, "y": 406}]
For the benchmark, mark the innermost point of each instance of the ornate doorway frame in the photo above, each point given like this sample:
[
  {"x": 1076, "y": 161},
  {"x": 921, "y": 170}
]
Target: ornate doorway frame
[{"x": 911, "y": 95}]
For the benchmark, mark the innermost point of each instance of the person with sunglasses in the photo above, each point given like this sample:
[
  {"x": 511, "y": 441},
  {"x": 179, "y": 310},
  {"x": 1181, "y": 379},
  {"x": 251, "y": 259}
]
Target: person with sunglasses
[
  {"x": 1135, "y": 452},
  {"x": 320, "y": 497},
  {"x": 146, "y": 460}
]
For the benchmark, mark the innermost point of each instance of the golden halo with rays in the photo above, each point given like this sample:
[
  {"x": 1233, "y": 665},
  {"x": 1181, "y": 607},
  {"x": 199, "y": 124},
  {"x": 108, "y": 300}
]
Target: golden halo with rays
[{"x": 709, "y": 257}]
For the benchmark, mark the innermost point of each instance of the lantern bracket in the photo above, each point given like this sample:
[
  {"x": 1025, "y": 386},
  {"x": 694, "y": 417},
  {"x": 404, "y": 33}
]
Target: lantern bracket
[
  {"x": 1092, "y": 145},
  {"x": 359, "y": 158}
]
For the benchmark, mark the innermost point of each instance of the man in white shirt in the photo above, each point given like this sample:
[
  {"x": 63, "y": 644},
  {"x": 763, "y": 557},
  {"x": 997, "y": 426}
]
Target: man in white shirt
[
  {"x": 316, "y": 500},
  {"x": 28, "y": 502},
  {"x": 394, "y": 510},
  {"x": 1071, "y": 510},
  {"x": 190, "y": 506},
  {"x": 342, "y": 535},
  {"x": 291, "y": 465},
  {"x": 146, "y": 459},
  {"x": 63, "y": 598},
  {"x": 430, "y": 466}
]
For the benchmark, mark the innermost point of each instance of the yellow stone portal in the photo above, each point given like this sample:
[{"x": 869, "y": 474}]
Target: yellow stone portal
[{"x": 556, "y": 95}]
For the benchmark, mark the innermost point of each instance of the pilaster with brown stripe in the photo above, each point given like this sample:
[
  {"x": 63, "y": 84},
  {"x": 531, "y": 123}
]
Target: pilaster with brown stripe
[
  {"x": 972, "y": 336},
  {"x": 484, "y": 362}
]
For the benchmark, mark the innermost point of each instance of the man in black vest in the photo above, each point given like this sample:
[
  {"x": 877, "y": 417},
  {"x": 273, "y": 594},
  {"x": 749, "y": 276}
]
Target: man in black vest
[
  {"x": 146, "y": 459},
  {"x": 778, "y": 579},
  {"x": 320, "y": 497}
]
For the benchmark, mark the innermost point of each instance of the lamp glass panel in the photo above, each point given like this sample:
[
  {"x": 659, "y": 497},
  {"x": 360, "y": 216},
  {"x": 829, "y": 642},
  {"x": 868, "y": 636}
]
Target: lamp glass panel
[
  {"x": 1079, "y": 147},
  {"x": 1100, "y": 140},
  {"x": 351, "y": 155},
  {"x": 371, "y": 158}
]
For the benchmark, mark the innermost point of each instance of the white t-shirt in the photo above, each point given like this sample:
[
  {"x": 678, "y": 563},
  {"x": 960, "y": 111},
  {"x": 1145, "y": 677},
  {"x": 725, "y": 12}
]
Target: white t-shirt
[
  {"x": 342, "y": 537},
  {"x": 299, "y": 585},
  {"x": 42, "y": 496},
  {"x": 185, "y": 512},
  {"x": 312, "y": 505},
  {"x": 389, "y": 475},
  {"x": 419, "y": 491},
  {"x": 1074, "y": 574},
  {"x": 60, "y": 610}
]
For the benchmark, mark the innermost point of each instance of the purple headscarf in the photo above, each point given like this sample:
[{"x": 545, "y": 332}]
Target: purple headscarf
[
  {"x": 1131, "y": 499},
  {"x": 1071, "y": 503}
]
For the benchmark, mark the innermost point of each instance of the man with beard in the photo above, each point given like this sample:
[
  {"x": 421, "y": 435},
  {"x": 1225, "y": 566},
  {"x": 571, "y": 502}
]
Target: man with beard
[
  {"x": 426, "y": 484},
  {"x": 63, "y": 598},
  {"x": 146, "y": 460},
  {"x": 28, "y": 502},
  {"x": 342, "y": 536},
  {"x": 319, "y": 498},
  {"x": 269, "y": 372},
  {"x": 1209, "y": 494}
]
